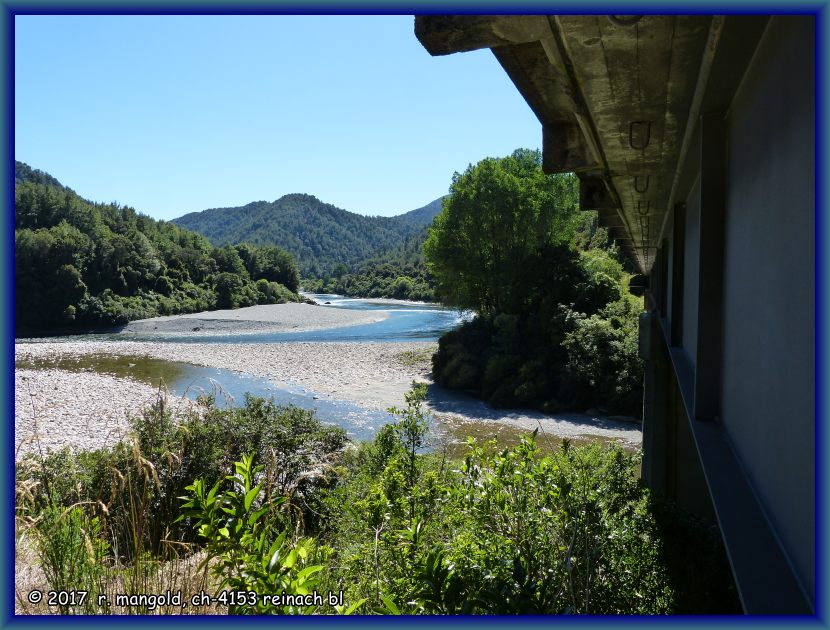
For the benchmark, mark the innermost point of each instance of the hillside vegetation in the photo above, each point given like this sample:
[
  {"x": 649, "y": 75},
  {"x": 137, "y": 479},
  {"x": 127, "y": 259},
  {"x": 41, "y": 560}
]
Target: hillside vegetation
[
  {"x": 320, "y": 236},
  {"x": 80, "y": 264},
  {"x": 399, "y": 273},
  {"x": 556, "y": 327}
]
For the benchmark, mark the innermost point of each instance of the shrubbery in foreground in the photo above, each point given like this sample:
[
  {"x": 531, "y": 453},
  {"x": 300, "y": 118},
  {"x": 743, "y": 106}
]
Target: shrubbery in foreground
[
  {"x": 264, "y": 501},
  {"x": 504, "y": 531}
]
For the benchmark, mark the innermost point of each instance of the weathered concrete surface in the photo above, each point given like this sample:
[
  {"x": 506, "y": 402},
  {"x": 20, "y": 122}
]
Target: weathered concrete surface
[{"x": 613, "y": 94}]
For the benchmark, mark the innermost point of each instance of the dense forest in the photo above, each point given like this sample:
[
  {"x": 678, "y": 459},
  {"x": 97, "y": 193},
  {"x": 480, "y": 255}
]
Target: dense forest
[
  {"x": 80, "y": 264},
  {"x": 24, "y": 173},
  {"x": 556, "y": 327},
  {"x": 319, "y": 236},
  {"x": 398, "y": 273}
]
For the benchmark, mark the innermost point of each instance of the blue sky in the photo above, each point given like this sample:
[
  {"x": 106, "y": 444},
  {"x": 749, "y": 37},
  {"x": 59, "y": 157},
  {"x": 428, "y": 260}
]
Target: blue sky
[{"x": 175, "y": 114}]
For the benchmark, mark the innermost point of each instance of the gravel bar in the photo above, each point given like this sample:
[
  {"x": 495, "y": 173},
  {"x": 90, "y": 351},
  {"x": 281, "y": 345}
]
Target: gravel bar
[
  {"x": 255, "y": 319},
  {"x": 57, "y": 408}
]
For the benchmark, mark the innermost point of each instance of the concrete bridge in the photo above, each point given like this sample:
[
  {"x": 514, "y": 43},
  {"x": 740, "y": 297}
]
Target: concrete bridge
[{"x": 694, "y": 139}]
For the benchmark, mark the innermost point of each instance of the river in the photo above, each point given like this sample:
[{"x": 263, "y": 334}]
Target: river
[
  {"x": 349, "y": 365},
  {"x": 404, "y": 321}
]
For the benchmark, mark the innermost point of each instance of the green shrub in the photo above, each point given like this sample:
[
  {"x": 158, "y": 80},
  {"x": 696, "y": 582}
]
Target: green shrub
[
  {"x": 273, "y": 293},
  {"x": 72, "y": 552},
  {"x": 411, "y": 429},
  {"x": 558, "y": 358},
  {"x": 597, "y": 260},
  {"x": 396, "y": 529},
  {"x": 568, "y": 533},
  {"x": 227, "y": 287},
  {"x": 507, "y": 532},
  {"x": 139, "y": 484},
  {"x": 506, "y": 360},
  {"x": 603, "y": 357},
  {"x": 246, "y": 537},
  {"x": 387, "y": 492}
]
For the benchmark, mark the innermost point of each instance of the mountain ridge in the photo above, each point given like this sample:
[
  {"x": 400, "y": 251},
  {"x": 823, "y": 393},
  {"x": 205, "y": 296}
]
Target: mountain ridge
[{"x": 319, "y": 235}]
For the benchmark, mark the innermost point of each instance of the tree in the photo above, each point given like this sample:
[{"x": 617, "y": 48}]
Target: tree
[
  {"x": 227, "y": 287},
  {"x": 247, "y": 253},
  {"x": 339, "y": 270},
  {"x": 276, "y": 265},
  {"x": 84, "y": 264},
  {"x": 511, "y": 245},
  {"x": 228, "y": 259},
  {"x": 500, "y": 214},
  {"x": 47, "y": 278}
]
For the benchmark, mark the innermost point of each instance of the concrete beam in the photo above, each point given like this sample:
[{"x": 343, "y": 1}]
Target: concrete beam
[
  {"x": 594, "y": 195},
  {"x": 612, "y": 96},
  {"x": 545, "y": 87},
  {"x": 447, "y": 34},
  {"x": 609, "y": 220},
  {"x": 564, "y": 149}
]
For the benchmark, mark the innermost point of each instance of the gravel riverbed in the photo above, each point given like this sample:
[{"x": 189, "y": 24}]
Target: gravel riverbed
[
  {"x": 373, "y": 375},
  {"x": 369, "y": 374},
  {"x": 57, "y": 408},
  {"x": 87, "y": 409},
  {"x": 254, "y": 319}
]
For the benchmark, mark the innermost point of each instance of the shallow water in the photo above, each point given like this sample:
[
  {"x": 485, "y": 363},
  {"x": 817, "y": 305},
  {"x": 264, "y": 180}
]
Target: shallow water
[
  {"x": 405, "y": 321},
  {"x": 228, "y": 387}
]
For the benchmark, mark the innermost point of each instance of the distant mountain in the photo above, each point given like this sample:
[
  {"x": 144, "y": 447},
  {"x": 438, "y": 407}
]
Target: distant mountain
[
  {"x": 423, "y": 216},
  {"x": 318, "y": 235}
]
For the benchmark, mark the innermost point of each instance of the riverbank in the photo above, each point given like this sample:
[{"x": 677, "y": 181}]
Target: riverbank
[
  {"x": 264, "y": 318},
  {"x": 56, "y": 408},
  {"x": 372, "y": 375}
]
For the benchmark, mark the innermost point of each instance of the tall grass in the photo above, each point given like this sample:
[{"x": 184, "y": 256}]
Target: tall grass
[{"x": 107, "y": 521}]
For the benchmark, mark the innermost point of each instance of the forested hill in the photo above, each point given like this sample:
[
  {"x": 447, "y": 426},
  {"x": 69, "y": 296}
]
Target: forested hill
[
  {"x": 422, "y": 216},
  {"x": 24, "y": 173},
  {"x": 318, "y": 235},
  {"x": 80, "y": 264}
]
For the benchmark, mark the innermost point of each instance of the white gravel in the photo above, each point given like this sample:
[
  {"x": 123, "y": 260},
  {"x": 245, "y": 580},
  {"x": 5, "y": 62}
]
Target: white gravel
[
  {"x": 369, "y": 374},
  {"x": 56, "y": 408},
  {"x": 255, "y": 319}
]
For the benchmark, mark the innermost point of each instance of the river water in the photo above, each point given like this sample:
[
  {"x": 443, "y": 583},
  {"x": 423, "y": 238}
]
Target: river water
[{"x": 405, "y": 321}]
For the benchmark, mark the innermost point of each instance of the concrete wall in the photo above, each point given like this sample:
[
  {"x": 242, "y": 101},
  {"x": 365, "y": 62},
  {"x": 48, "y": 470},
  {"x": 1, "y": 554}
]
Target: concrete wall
[
  {"x": 668, "y": 252},
  {"x": 768, "y": 359},
  {"x": 690, "y": 272}
]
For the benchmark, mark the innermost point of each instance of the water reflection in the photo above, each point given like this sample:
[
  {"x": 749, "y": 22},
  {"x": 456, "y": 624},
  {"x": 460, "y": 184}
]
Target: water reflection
[{"x": 228, "y": 388}]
